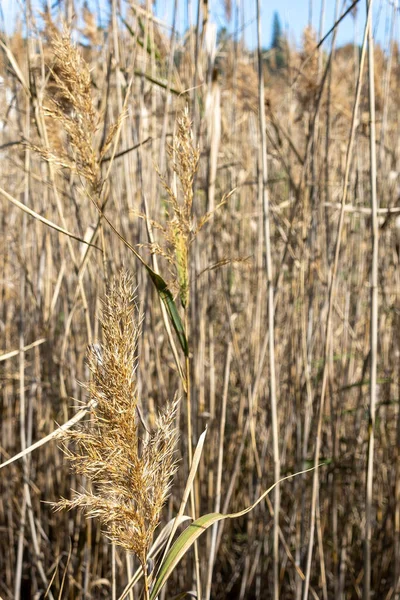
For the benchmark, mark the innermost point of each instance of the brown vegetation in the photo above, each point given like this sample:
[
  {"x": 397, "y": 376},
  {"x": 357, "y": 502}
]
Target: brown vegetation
[{"x": 84, "y": 130}]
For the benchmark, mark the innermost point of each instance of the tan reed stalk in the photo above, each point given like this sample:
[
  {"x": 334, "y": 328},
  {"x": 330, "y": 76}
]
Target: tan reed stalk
[
  {"x": 316, "y": 219},
  {"x": 27, "y": 517},
  {"x": 264, "y": 203},
  {"x": 167, "y": 107},
  {"x": 125, "y": 136},
  {"x": 193, "y": 503},
  {"x": 197, "y": 67},
  {"x": 130, "y": 470},
  {"x": 213, "y": 118},
  {"x": 55, "y": 317},
  {"x": 22, "y": 396},
  {"x": 331, "y": 296},
  {"x": 374, "y": 318},
  {"x": 217, "y": 507},
  {"x": 387, "y": 78}
]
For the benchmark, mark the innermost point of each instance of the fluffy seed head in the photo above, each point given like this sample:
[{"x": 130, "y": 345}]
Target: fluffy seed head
[{"x": 130, "y": 469}]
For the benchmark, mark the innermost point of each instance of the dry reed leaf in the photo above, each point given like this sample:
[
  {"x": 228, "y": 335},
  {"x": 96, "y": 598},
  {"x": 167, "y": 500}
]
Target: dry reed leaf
[
  {"x": 38, "y": 217},
  {"x": 223, "y": 262}
]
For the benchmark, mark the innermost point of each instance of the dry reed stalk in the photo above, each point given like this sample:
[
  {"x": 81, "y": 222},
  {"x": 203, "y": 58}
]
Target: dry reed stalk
[
  {"x": 213, "y": 118},
  {"x": 161, "y": 158},
  {"x": 264, "y": 204},
  {"x": 374, "y": 317},
  {"x": 22, "y": 396},
  {"x": 225, "y": 305},
  {"x": 217, "y": 506},
  {"x": 328, "y": 335}
]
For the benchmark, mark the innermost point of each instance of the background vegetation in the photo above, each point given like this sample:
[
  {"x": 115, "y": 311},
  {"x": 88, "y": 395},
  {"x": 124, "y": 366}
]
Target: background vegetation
[{"x": 291, "y": 306}]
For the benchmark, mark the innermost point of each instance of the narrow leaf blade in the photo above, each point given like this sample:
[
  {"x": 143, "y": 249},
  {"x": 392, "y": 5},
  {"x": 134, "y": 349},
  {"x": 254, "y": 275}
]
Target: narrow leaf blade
[
  {"x": 181, "y": 546},
  {"x": 170, "y": 305},
  {"x": 191, "y": 533}
]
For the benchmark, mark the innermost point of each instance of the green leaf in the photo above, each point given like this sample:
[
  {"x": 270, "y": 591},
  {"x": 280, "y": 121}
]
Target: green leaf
[
  {"x": 156, "y": 51},
  {"x": 161, "y": 287},
  {"x": 170, "y": 305},
  {"x": 160, "y": 83},
  {"x": 188, "y": 488},
  {"x": 155, "y": 549},
  {"x": 191, "y": 533},
  {"x": 181, "y": 546}
]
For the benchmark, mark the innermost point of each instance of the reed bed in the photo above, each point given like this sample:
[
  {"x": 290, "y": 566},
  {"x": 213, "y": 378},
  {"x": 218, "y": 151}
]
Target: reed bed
[{"x": 255, "y": 192}]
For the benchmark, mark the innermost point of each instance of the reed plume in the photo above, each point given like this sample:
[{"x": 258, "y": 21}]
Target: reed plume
[
  {"x": 130, "y": 469},
  {"x": 180, "y": 229},
  {"x": 70, "y": 111}
]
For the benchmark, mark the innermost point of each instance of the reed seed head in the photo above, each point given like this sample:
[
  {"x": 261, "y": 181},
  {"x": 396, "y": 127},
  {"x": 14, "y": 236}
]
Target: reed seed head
[
  {"x": 70, "y": 111},
  {"x": 130, "y": 470},
  {"x": 180, "y": 230},
  {"x": 71, "y": 106}
]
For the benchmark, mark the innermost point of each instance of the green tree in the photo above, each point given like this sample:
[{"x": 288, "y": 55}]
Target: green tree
[
  {"x": 276, "y": 41},
  {"x": 277, "y": 44}
]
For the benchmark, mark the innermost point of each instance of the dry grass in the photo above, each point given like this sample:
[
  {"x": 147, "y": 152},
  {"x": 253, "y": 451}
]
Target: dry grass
[{"x": 75, "y": 136}]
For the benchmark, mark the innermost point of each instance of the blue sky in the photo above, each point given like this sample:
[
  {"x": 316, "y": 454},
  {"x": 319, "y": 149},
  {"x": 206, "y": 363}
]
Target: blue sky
[{"x": 294, "y": 16}]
